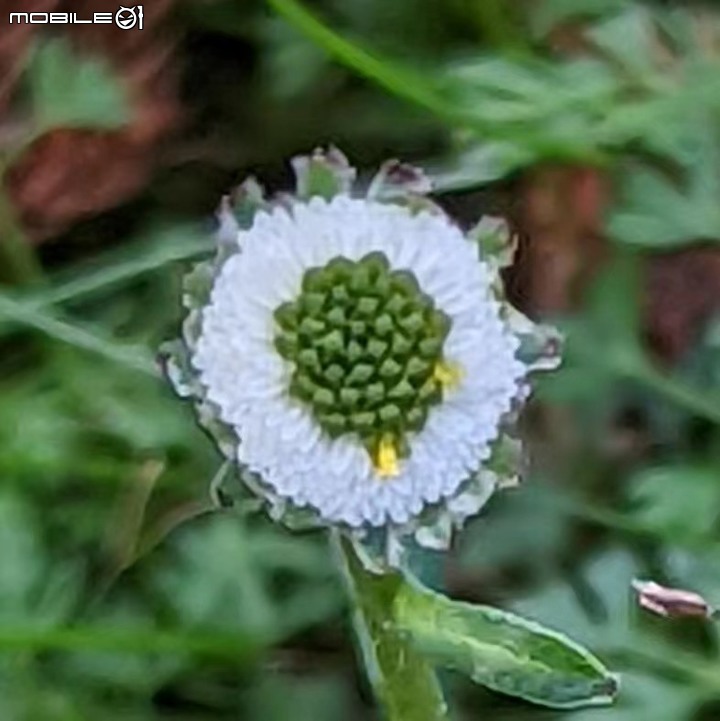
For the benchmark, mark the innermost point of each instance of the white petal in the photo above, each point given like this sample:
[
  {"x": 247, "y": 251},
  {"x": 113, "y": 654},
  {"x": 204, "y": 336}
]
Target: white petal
[{"x": 245, "y": 377}]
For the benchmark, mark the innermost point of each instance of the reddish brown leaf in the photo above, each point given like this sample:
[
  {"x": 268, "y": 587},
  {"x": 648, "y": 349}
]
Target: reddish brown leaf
[{"x": 69, "y": 174}]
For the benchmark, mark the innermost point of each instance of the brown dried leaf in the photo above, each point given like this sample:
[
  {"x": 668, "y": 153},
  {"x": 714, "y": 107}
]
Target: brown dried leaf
[
  {"x": 562, "y": 210},
  {"x": 682, "y": 293},
  {"x": 70, "y": 174}
]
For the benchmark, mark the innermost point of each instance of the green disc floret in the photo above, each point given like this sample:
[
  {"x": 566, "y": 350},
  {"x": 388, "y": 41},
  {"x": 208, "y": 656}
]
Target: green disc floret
[{"x": 364, "y": 342}]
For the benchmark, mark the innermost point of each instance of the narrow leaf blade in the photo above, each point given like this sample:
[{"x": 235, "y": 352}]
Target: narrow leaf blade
[
  {"x": 392, "y": 75},
  {"x": 504, "y": 652}
]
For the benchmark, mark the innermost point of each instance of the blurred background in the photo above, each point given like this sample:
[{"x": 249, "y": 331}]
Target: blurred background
[{"x": 593, "y": 127}]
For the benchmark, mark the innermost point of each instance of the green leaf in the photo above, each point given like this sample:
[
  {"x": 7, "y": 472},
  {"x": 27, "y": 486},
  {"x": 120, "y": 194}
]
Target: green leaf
[
  {"x": 647, "y": 698},
  {"x": 525, "y": 525},
  {"x": 528, "y": 110},
  {"x": 222, "y": 580},
  {"x": 403, "y": 681},
  {"x": 69, "y": 91},
  {"x": 550, "y": 13},
  {"x": 549, "y": 107},
  {"x": 601, "y": 347},
  {"x": 502, "y": 651},
  {"x": 94, "y": 341},
  {"x": 596, "y": 607},
  {"x": 300, "y": 696},
  {"x": 629, "y": 38},
  {"x": 658, "y": 211},
  {"x": 678, "y": 502},
  {"x": 478, "y": 164},
  {"x": 155, "y": 247},
  {"x": 294, "y": 64},
  {"x": 528, "y": 89},
  {"x": 614, "y": 301}
]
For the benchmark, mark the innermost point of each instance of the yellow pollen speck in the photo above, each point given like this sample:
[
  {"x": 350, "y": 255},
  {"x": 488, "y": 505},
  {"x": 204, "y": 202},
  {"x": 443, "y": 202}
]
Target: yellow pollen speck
[
  {"x": 447, "y": 374},
  {"x": 386, "y": 459}
]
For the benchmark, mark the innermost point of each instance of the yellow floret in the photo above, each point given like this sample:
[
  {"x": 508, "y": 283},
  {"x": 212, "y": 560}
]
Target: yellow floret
[
  {"x": 386, "y": 459},
  {"x": 447, "y": 374}
]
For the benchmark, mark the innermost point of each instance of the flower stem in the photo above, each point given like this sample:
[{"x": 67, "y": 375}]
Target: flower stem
[{"x": 404, "y": 683}]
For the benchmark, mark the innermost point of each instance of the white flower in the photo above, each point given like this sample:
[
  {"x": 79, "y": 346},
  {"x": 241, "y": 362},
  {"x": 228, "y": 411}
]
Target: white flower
[{"x": 306, "y": 449}]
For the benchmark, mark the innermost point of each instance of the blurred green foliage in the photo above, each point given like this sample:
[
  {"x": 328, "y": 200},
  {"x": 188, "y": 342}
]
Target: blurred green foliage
[
  {"x": 68, "y": 91},
  {"x": 125, "y": 595}
]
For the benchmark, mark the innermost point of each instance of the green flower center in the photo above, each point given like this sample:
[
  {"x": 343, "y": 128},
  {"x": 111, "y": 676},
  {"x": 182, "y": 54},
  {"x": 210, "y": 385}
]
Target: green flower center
[{"x": 366, "y": 346}]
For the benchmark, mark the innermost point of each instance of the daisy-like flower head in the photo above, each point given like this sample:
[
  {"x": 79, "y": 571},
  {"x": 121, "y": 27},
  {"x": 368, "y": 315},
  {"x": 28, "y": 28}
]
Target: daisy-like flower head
[{"x": 357, "y": 353}]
